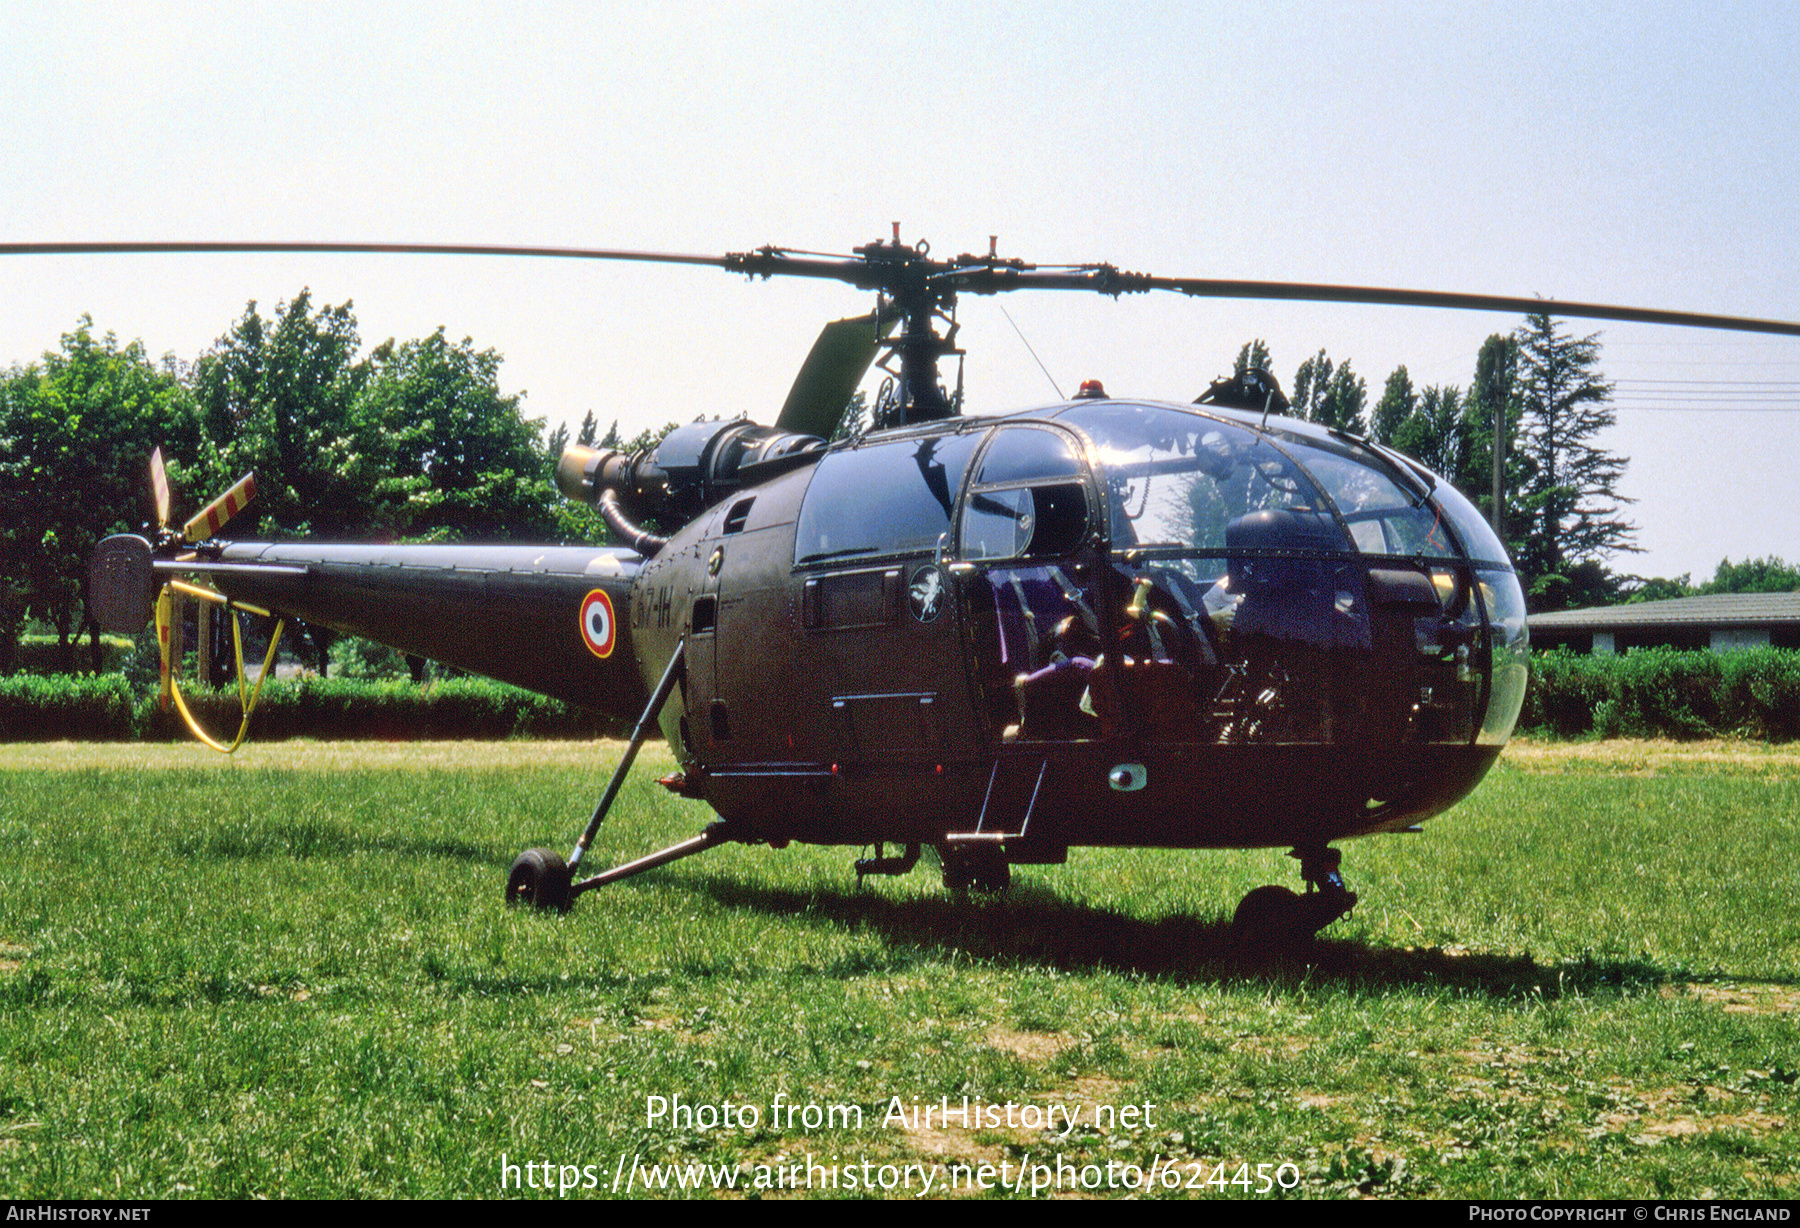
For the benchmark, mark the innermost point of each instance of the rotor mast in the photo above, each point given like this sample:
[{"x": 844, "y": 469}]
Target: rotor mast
[{"x": 919, "y": 295}]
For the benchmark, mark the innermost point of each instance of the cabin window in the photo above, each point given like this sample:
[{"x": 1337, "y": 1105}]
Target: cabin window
[
  {"x": 883, "y": 499},
  {"x": 1039, "y": 522},
  {"x": 1028, "y": 498}
]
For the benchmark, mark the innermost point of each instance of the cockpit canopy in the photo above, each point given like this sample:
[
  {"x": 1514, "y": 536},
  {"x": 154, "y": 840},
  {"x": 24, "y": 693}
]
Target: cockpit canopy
[
  {"x": 1248, "y": 540},
  {"x": 1171, "y": 477}
]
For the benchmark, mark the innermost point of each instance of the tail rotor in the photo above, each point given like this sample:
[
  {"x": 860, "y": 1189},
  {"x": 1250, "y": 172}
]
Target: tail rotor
[{"x": 123, "y": 585}]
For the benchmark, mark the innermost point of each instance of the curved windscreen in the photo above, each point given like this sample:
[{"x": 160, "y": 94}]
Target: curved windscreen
[
  {"x": 1179, "y": 479},
  {"x": 1301, "y": 585}
]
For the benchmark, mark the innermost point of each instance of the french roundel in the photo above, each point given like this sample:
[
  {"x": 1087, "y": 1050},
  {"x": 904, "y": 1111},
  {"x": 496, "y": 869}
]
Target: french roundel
[{"x": 599, "y": 628}]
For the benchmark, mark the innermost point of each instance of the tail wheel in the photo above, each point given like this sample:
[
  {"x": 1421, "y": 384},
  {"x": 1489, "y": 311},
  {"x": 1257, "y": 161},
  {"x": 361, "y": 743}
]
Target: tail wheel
[{"x": 540, "y": 878}]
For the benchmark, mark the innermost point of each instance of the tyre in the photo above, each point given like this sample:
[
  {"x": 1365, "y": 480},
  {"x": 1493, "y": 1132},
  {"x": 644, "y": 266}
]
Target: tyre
[
  {"x": 540, "y": 878},
  {"x": 979, "y": 868},
  {"x": 1268, "y": 919}
]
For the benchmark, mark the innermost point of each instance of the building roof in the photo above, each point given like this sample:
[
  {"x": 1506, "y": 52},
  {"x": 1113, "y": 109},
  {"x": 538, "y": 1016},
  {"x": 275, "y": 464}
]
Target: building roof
[{"x": 1714, "y": 610}]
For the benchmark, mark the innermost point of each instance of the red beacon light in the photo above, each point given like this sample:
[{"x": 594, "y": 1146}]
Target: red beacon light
[{"x": 1091, "y": 390}]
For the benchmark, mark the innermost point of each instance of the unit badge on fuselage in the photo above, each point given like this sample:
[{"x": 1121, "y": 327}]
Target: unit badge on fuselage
[{"x": 925, "y": 596}]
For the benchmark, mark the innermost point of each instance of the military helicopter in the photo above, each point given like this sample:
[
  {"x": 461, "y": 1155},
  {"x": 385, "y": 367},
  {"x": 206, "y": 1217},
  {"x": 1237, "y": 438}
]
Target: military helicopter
[{"x": 1098, "y": 622}]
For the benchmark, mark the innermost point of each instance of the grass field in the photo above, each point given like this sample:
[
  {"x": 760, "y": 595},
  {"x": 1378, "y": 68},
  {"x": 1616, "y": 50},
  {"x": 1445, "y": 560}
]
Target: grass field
[{"x": 290, "y": 974}]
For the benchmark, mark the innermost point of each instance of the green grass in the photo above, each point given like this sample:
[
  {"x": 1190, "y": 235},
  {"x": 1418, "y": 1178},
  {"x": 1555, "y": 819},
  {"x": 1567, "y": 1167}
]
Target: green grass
[{"x": 290, "y": 974}]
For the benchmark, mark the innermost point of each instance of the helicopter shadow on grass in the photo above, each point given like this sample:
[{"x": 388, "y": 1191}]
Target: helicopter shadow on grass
[{"x": 1033, "y": 926}]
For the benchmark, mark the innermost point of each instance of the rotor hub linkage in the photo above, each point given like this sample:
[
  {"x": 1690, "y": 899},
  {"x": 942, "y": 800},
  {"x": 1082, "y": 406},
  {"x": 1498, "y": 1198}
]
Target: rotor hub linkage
[{"x": 921, "y": 291}]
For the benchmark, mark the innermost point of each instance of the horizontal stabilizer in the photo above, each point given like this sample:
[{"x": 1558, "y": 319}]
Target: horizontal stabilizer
[{"x": 122, "y": 584}]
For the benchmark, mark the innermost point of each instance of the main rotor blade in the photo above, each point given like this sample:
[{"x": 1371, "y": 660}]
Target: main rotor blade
[
  {"x": 1374, "y": 295},
  {"x": 393, "y": 249},
  {"x": 966, "y": 274},
  {"x": 832, "y": 370},
  {"x": 1107, "y": 280}
]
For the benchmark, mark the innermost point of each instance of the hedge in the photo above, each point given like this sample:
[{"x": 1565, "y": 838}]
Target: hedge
[
  {"x": 108, "y": 708},
  {"x": 1666, "y": 693},
  {"x": 1652, "y": 692}
]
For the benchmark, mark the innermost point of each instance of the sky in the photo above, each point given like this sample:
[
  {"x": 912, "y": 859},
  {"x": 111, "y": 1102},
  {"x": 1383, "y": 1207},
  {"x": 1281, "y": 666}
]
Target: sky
[{"x": 1642, "y": 154}]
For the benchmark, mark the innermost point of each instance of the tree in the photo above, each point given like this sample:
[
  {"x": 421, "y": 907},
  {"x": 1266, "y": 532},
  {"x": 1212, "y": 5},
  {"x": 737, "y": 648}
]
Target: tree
[
  {"x": 75, "y": 438},
  {"x": 1398, "y": 401},
  {"x": 1311, "y": 380},
  {"x": 855, "y": 419},
  {"x": 1571, "y": 504},
  {"x": 460, "y": 461},
  {"x": 1330, "y": 396},
  {"x": 278, "y": 397},
  {"x": 1436, "y": 434},
  {"x": 1770, "y": 575},
  {"x": 1254, "y": 356},
  {"x": 1494, "y": 394}
]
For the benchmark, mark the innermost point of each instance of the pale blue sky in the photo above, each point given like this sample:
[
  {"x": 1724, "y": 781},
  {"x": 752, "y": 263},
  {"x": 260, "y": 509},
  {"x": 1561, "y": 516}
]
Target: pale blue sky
[{"x": 1643, "y": 154}]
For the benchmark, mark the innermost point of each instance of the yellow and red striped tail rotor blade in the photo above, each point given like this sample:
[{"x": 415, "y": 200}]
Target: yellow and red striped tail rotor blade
[
  {"x": 159, "y": 480},
  {"x": 211, "y": 518}
]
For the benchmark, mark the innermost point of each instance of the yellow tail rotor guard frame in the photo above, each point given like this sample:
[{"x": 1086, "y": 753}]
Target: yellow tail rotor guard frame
[{"x": 246, "y": 697}]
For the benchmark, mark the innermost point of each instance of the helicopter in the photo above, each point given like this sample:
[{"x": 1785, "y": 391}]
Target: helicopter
[{"x": 1096, "y": 622}]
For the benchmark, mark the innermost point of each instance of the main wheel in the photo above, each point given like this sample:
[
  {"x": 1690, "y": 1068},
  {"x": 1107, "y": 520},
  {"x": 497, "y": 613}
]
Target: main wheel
[
  {"x": 1269, "y": 919},
  {"x": 539, "y": 877},
  {"x": 980, "y": 868}
]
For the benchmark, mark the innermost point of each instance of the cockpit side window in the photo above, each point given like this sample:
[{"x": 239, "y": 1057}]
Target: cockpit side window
[
  {"x": 1027, "y": 454},
  {"x": 1028, "y": 499},
  {"x": 1020, "y": 522}
]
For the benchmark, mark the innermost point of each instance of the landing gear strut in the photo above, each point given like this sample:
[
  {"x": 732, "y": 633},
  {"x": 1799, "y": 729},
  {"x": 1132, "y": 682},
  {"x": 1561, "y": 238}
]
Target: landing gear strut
[
  {"x": 1270, "y": 918},
  {"x": 542, "y": 879}
]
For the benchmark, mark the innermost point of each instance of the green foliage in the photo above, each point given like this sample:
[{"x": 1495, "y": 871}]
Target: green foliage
[
  {"x": 1658, "y": 588},
  {"x": 1770, "y": 575},
  {"x": 1566, "y": 691},
  {"x": 76, "y": 432},
  {"x": 855, "y": 419},
  {"x": 1762, "y": 694},
  {"x": 1254, "y": 356},
  {"x": 110, "y": 707},
  {"x": 40, "y": 708},
  {"x": 1398, "y": 403},
  {"x": 1666, "y": 693},
  {"x": 461, "y": 463},
  {"x": 1332, "y": 396},
  {"x": 1578, "y": 585},
  {"x": 279, "y": 397},
  {"x": 1571, "y": 502},
  {"x": 1438, "y": 434},
  {"x": 42, "y": 654}
]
